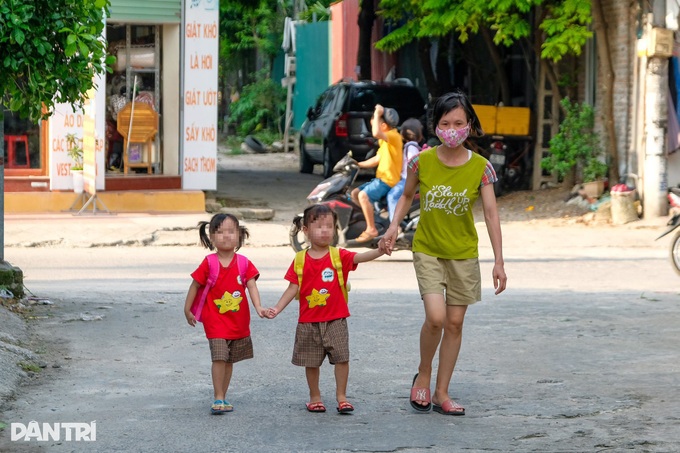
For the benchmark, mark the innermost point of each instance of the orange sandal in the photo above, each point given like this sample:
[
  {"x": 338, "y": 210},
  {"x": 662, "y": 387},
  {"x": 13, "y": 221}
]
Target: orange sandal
[
  {"x": 316, "y": 407},
  {"x": 344, "y": 407}
]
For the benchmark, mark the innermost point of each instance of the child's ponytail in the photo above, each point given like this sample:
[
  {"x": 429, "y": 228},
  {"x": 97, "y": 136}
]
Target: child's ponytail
[{"x": 204, "y": 235}]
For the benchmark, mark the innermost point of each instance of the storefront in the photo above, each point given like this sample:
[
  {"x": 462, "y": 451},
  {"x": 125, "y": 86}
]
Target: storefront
[{"x": 163, "y": 49}]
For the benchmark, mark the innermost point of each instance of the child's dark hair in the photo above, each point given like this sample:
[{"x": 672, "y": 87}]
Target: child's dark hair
[
  {"x": 449, "y": 101},
  {"x": 412, "y": 130},
  {"x": 312, "y": 213},
  {"x": 214, "y": 224}
]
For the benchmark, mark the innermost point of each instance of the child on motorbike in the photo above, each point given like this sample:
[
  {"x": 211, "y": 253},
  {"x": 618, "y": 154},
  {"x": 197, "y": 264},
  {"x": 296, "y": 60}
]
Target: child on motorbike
[
  {"x": 317, "y": 277},
  {"x": 389, "y": 162},
  {"x": 412, "y": 135}
]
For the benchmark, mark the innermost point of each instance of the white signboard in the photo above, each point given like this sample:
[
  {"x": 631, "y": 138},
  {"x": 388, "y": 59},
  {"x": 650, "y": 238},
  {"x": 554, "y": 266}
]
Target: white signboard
[
  {"x": 199, "y": 121},
  {"x": 65, "y": 121},
  {"x": 90, "y": 145}
]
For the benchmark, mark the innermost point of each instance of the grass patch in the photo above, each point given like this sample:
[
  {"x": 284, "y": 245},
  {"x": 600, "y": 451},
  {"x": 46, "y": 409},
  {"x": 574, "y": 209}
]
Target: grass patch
[{"x": 29, "y": 367}]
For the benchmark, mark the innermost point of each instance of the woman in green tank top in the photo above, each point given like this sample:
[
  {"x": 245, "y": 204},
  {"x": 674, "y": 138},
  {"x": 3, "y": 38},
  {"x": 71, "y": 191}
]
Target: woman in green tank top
[{"x": 445, "y": 247}]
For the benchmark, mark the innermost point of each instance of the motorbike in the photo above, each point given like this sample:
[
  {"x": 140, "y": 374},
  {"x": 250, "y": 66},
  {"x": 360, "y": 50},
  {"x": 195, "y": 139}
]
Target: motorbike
[
  {"x": 335, "y": 192},
  {"x": 672, "y": 225},
  {"x": 510, "y": 161}
]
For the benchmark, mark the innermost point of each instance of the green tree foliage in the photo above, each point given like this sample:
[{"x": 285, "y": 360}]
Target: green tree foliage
[
  {"x": 251, "y": 35},
  {"x": 576, "y": 145},
  {"x": 261, "y": 106},
  {"x": 249, "y": 25},
  {"x": 50, "y": 51},
  {"x": 319, "y": 11},
  {"x": 564, "y": 22}
]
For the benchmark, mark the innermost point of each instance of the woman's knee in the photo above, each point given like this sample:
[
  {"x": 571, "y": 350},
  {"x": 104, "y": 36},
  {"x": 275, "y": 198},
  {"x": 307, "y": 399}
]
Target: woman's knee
[
  {"x": 454, "y": 326},
  {"x": 434, "y": 323}
]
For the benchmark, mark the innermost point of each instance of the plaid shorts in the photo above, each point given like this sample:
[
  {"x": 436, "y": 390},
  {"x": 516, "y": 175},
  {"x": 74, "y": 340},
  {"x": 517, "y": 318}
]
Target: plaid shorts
[
  {"x": 316, "y": 340},
  {"x": 231, "y": 351}
]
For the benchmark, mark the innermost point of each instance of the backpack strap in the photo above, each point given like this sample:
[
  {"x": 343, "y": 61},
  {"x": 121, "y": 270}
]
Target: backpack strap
[
  {"x": 299, "y": 266},
  {"x": 412, "y": 143},
  {"x": 337, "y": 264},
  {"x": 242, "y": 264},
  {"x": 213, "y": 273}
]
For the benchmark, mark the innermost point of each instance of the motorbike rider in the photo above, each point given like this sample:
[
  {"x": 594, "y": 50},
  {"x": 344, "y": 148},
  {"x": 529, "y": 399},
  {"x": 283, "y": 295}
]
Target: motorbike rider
[{"x": 388, "y": 160}]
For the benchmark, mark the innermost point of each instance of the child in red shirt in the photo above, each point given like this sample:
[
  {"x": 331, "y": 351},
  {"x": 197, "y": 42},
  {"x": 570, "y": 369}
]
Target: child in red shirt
[
  {"x": 225, "y": 315},
  {"x": 322, "y": 324}
]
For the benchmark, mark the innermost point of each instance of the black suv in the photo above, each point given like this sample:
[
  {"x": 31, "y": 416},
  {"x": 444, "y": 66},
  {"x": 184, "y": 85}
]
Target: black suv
[{"x": 340, "y": 120}]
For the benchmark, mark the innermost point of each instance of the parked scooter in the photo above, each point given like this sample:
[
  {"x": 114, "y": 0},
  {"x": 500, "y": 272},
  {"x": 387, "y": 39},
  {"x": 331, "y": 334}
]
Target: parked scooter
[
  {"x": 335, "y": 191},
  {"x": 510, "y": 161},
  {"x": 673, "y": 224}
]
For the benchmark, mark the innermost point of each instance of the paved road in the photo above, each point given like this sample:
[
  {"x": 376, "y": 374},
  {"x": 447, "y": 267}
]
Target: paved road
[{"x": 580, "y": 354}]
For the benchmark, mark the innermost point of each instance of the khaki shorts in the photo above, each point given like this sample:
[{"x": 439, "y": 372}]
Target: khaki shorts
[
  {"x": 231, "y": 351},
  {"x": 316, "y": 340},
  {"x": 459, "y": 281}
]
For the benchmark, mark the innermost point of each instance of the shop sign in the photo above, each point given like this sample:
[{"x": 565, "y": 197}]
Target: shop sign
[
  {"x": 199, "y": 120},
  {"x": 66, "y": 120}
]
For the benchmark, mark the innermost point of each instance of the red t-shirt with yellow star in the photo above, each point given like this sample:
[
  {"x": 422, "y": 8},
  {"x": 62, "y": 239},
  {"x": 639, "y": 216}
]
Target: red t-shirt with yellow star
[
  {"x": 226, "y": 313},
  {"x": 321, "y": 298}
]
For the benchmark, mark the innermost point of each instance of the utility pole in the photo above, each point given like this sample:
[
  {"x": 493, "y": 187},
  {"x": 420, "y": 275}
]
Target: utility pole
[{"x": 659, "y": 49}]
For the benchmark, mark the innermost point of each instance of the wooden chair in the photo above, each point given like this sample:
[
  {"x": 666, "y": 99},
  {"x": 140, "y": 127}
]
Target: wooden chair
[
  {"x": 143, "y": 131},
  {"x": 16, "y": 147}
]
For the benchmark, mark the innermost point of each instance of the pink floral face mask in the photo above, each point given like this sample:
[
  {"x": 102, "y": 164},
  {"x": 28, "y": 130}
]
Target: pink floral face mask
[{"x": 453, "y": 137}]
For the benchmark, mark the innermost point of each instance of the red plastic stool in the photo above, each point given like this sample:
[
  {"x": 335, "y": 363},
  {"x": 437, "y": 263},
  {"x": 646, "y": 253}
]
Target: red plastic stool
[{"x": 16, "y": 145}]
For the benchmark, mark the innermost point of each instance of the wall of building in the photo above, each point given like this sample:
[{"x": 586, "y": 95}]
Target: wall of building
[
  {"x": 171, "y": 98},
  {"x": 621, "y": 34},
  {"x": 147, "y": 11}
]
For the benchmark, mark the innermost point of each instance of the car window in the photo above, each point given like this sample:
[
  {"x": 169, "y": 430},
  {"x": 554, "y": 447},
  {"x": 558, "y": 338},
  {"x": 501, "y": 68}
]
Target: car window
[
  {"x": 364, "y": 100},
  {"x": 339, "y": 99},
  {"x": 329, "y": 100},
  {"x": 401, "y": 98},
  {"x": 320, "y": 102}
]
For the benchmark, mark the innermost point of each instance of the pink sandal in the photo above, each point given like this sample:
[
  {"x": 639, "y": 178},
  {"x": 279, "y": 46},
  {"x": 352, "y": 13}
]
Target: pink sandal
[
  {"x": 420, "y": 394},
  {"x": 449, "y": 407}
]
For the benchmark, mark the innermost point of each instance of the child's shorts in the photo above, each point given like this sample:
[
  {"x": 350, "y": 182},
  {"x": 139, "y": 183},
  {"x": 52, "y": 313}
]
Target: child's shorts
[
  {"x": 316, "y": 340},
  {"x": 375, "y": 189},
  {"x": 231, "y": 351},
  {"x": 459, "y": 281}
]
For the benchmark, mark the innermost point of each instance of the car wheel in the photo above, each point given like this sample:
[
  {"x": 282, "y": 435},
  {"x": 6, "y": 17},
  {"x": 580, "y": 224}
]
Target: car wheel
[
  {"x": 327, "y": 164},
  {"x": 255, "y": 144},
  {"x": 306, "y": 165}
]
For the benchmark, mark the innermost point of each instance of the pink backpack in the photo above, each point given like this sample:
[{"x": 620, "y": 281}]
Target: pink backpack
[{"x": 214, "y": 267}]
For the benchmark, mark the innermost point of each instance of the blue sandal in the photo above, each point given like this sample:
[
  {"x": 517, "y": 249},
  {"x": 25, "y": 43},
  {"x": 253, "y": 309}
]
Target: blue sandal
[{"x": 220, "y": 407}]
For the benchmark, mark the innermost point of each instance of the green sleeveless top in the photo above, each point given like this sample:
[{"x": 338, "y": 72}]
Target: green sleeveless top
[{"x": 446, "y": 228}]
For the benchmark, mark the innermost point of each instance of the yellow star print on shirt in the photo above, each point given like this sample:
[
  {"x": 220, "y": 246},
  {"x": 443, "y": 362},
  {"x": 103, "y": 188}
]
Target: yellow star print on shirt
[
  {"x": 317, "y": 299},
  {"x": 228, "y": 303}
]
